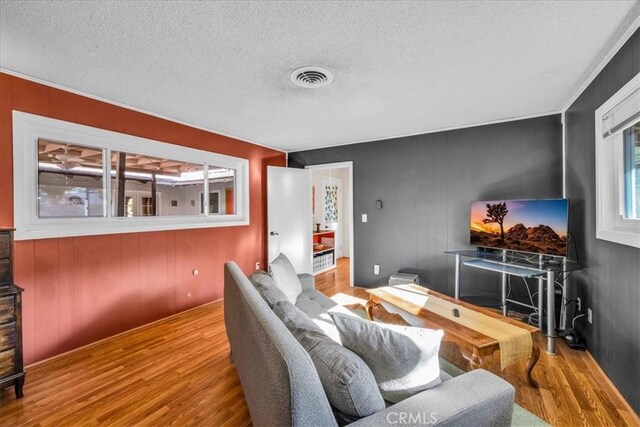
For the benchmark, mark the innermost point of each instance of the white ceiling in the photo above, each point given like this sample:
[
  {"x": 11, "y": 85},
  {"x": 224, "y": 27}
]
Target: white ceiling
[{"x": 400, "y": 68}]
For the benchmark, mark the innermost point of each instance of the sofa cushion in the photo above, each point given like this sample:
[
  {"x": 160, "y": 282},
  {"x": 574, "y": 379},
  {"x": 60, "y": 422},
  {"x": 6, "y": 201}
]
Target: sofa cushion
[
  {"x": 296, "y": 321},
  {"x": 347, "y": 381},
  {"x": 314, "y": 303},
  {"x": 403, "y": 359},
  {"x": 267, "y": 288},
  {"x": 307, "y": 281},
  {"x": 285, "y": 277},
  {"x": 317, "y": 306}
]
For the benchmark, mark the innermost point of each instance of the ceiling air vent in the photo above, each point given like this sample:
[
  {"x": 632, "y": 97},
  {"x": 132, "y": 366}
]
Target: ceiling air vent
[{"x": 311, "y": 77}]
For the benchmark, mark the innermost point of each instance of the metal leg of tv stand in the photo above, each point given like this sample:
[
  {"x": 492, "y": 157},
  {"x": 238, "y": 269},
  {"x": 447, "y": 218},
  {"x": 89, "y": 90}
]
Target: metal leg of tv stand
[
  {"x": 541, "y": 296},
  {"x": 457, "y": 279},
  {"x": 503, "y": 301},
  {"x": 551, "y": 313}
]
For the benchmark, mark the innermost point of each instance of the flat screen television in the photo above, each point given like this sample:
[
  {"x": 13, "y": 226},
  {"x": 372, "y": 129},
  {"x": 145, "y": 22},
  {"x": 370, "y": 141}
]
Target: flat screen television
[{"x": 534, "y": 226}]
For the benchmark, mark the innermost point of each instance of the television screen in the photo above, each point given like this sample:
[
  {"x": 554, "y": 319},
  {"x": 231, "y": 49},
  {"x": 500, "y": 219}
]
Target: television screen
[{"x": 536, "y": 226}]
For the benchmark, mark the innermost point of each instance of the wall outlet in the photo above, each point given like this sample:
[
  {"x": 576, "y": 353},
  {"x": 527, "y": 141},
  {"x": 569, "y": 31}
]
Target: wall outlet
[
  {"x": 579, "y": 304},
  {"x": 258, "y": 265},
  {"x": 589, "y": 315},
  {"x": 364, "y": 217},
  {"x": 376, "y": 269}
]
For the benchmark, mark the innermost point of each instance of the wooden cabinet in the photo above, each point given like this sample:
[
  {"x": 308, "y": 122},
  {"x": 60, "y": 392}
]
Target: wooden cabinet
[
  {"x": 11, "y": 363},
  {"x": 6, "y": 259}
]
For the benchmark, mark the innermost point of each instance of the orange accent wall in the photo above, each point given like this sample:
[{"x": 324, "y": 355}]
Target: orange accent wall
[{"x": 82, "y": 289}]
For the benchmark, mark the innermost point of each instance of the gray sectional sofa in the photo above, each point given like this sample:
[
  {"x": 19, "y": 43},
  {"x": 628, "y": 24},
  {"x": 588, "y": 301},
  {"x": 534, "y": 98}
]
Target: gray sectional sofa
[{"x": 282, "y": 387}]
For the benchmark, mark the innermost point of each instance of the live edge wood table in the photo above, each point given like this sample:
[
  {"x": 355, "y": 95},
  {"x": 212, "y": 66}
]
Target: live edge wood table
[{"x": 474, "y": 346}]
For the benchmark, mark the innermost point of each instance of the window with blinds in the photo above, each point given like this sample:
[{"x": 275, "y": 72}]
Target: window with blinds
[
  {"x": 618, "y": 166},
  {"x": 622, "y": 116},
  {"x": 631, "y": 161}
]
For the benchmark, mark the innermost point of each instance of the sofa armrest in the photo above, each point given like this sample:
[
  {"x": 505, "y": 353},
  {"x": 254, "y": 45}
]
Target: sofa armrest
[
  {"x": 477, "y": 398},
  {"x": 307, "y": 281}
]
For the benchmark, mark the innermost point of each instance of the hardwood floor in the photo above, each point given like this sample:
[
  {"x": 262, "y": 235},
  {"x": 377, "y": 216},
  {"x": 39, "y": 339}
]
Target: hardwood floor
[
  {"x": 573, "y": 389},
  {"x": 178, "y": 371}
]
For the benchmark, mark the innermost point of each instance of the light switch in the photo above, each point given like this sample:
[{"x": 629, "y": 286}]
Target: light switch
[
  {"x": 196, "y": 272},
  {"x": 364, "y": 217}
]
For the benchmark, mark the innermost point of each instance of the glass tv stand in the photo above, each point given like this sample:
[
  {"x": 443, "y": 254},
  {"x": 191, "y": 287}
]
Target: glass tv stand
[{"x": 528, "y": 266}]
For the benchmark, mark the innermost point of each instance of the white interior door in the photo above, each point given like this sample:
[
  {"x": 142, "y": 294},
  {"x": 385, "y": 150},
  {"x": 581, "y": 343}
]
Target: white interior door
[{"x": 289, "y": 216}]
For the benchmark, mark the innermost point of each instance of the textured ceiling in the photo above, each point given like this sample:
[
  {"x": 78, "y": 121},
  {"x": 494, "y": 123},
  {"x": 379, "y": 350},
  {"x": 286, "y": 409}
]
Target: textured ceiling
[{"x": 400, "y": 68}]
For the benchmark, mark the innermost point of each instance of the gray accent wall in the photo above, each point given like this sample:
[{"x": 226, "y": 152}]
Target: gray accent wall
[
  {"x": 610, "y": 285},
  {"x": 426, "y": 184}
]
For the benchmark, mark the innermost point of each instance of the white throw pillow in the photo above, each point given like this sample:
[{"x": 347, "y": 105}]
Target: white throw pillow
[
  {"x": 403, "y": 359},
  {"x": 285, "y": 277}
]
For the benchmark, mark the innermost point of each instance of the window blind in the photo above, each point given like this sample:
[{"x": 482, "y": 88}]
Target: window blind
[{"x": 622, "y": 115}]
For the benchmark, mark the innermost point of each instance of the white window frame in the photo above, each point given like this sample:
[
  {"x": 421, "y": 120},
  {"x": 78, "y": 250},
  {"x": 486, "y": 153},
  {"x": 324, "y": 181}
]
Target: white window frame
[
  {"x": 611, "y": 223},
  {"x": 28, "y": 128}
]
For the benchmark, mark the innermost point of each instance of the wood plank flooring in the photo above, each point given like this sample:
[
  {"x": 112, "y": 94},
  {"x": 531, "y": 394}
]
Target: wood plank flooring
[
  {"x": 573, "y": 389},
  {"x": 178, "y": 372}
]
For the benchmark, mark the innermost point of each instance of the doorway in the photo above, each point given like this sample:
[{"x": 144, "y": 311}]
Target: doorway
[{"x": 332, "y": 209}]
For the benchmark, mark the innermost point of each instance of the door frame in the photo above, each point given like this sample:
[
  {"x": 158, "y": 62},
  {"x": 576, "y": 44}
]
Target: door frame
[
  {"x": 221, "y": 201},
  {"x": 137, "y": 195},
  {"x": 349, "y": 166},
  {"x": 341, "y": 218}
]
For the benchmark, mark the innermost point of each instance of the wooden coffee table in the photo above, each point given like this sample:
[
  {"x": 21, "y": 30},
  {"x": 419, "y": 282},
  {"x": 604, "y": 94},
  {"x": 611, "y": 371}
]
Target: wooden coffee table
[{"x": 474, "y": 346}]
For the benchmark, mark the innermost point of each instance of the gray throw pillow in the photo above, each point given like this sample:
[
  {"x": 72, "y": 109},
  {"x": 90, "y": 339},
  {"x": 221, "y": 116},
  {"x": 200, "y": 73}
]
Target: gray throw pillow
[
  {"x": 347, "y": 381},
  {"x": 285, "y": 276},
  {"x": 267, "y": 288},
  {"x": 403, "y": 359}
]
